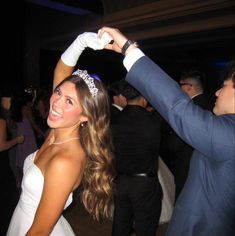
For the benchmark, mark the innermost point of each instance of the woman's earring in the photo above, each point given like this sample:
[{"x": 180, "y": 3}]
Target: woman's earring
[{"x": 82, "y": 124}]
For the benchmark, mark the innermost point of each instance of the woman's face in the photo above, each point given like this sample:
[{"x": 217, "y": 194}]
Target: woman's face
[
  {"x": 6, "y": 102},
  {"x": 65, "y": 108}
]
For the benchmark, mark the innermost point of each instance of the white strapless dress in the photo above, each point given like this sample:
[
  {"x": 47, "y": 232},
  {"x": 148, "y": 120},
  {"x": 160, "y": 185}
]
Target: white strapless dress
[{"x": 32, "y": 186}]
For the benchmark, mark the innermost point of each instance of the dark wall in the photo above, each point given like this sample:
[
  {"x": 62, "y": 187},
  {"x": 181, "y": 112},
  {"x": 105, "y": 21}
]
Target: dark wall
[{"x": 12, "y": 45}]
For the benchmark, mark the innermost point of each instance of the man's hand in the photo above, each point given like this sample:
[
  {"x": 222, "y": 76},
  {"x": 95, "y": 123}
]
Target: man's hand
[{"x": 118, "y": 38}]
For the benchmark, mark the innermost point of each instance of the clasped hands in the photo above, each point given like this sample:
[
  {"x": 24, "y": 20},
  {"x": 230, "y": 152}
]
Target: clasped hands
[{"x": 108, "y": 38}]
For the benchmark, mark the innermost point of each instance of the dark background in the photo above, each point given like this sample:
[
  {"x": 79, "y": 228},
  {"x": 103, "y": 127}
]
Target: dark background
[{"x": 34, "y": 35}]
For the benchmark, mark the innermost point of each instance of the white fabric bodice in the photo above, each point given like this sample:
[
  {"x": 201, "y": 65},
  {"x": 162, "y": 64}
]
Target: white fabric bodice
[{"x": 32, "y": 186}]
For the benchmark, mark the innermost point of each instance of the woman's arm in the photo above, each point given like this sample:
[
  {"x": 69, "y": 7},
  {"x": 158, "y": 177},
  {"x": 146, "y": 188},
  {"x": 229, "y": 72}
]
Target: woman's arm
[
  {"x": 4, "y": 143},
  {"x": 61, "y": 72},
  {"x": 71, "y": 55}
]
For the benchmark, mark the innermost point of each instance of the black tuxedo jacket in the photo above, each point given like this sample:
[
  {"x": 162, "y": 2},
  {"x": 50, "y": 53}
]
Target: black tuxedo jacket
[
  {"x": 137, "y": 136},
  {"x": 114, "y": 113}
]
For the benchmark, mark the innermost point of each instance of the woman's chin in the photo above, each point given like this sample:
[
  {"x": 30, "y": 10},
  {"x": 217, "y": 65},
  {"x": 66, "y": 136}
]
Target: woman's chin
[{"x": 52, "y": 123}]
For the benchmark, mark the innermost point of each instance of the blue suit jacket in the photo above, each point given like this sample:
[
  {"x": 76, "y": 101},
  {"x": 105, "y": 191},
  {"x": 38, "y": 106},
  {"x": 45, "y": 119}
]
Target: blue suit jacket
[{"x": 206, "y": 205}]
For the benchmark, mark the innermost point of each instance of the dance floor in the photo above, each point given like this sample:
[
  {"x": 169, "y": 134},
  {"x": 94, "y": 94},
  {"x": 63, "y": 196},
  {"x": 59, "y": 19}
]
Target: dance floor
[{"x": 83, "y": 224}]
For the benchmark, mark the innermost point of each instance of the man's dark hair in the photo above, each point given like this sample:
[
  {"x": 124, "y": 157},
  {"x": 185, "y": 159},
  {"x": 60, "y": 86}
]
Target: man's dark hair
[
  {"x": 195, "y": 75},
  {"x": 116, "y": 88},
  {"x": 130, "y": 92},
  {"x": 229, "y": 72}
]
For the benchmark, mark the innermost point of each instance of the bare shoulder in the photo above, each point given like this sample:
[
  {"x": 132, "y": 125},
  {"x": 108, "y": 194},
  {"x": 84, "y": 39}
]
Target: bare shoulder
[
  {"x": 68, "y": 158},
  {"x": 69, "y": 163}
]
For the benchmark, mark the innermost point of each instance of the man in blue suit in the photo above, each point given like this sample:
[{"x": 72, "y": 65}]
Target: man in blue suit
[{"x": 206, "y": 205}]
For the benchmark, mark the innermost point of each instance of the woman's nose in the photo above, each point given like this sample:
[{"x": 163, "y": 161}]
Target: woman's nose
[{"x": 58, "y": 101}]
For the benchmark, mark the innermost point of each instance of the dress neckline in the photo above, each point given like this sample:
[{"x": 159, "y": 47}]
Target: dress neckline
[{"x": 33, "y": 158}]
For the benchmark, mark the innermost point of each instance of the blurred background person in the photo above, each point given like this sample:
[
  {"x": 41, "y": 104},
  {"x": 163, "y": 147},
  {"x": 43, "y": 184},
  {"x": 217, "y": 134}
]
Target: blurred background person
[
  {"x": 22, "y": 114},
  {"x": 117, "y": 99},
  {"x": 40, "y": 112},
  {"x": 9, "y": 193},
  {"x": 177, "y": 152},
  {"x": 138, "y": 198}
]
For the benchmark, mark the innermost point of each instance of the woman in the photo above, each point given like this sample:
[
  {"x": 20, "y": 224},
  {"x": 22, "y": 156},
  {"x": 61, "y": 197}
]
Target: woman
[
  {"x": 9, "y": 192},
  {"x": 77, "y": 151},
  {"x": 22, "y": 114},
  {"x": 40, "y": 111}
]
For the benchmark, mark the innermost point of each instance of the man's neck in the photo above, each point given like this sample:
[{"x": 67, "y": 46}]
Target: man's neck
[{"x": 136, "y": 103}]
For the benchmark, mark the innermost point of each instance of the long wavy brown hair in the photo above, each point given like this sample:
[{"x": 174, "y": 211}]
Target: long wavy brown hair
[{"x": 95, "y": 136}]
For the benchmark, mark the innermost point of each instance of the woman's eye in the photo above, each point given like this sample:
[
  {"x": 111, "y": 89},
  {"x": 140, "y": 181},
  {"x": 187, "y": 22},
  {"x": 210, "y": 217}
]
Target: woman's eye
[
  {"x": 57, "y": 91},
  {"x": 69, "y": 101}
]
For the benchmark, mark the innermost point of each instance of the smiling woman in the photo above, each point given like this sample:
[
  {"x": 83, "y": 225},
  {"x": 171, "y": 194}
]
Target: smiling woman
[{"x": 77, "y": 152}]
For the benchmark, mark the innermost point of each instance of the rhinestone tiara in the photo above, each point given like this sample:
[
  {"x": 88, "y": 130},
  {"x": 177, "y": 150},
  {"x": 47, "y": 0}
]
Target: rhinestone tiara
[{"x": 88, "y": 80}]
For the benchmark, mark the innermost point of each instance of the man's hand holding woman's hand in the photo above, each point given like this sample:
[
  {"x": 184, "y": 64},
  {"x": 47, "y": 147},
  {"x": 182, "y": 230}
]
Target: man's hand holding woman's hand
[
  {"x": 118, "y": 40},
  {"x": 84, "y": 40},
  {"x": 108, "y": 38}
]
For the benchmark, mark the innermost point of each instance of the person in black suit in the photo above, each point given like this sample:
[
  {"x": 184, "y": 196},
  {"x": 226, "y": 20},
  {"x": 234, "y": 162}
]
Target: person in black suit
[
  {"x": 117, "y": 100},
  {"x": 175, "y": 150},
  {"x": 136, "y": 138}
]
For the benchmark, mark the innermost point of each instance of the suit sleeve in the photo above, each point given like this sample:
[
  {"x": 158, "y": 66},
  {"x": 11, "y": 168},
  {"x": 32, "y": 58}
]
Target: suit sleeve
[{"x": 193, "y": 124}]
